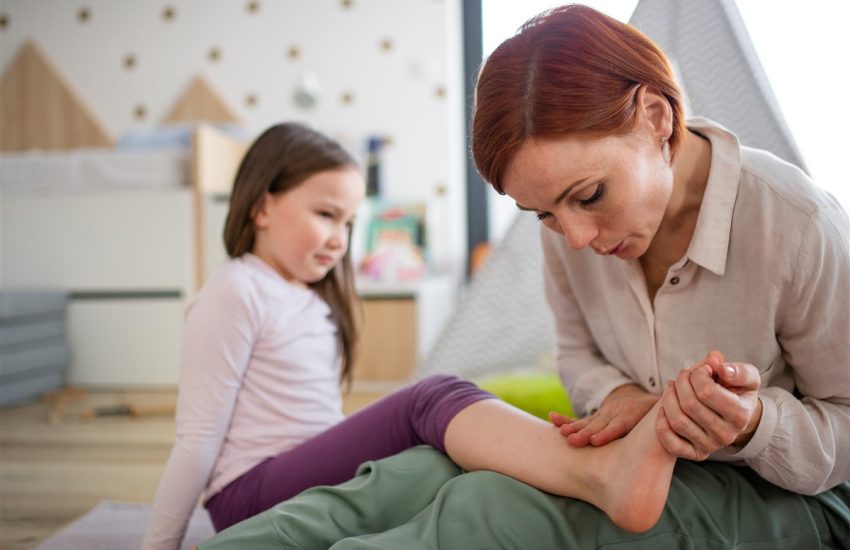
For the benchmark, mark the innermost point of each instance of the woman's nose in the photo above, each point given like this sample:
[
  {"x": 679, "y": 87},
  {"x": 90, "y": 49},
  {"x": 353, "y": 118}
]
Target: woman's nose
[{"x": 578, "y": 234}]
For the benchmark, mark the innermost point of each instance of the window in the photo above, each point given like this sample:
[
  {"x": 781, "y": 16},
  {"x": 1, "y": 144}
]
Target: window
[{"x": 800, "y": 47}]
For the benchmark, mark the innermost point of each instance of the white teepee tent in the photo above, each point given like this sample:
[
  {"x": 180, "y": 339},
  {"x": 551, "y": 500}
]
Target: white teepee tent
[{"x": 503, "y": 322}]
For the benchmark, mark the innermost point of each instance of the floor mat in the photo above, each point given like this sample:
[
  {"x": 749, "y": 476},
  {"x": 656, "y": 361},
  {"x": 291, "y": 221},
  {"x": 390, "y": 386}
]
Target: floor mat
[{"x": 111, "y": 525}]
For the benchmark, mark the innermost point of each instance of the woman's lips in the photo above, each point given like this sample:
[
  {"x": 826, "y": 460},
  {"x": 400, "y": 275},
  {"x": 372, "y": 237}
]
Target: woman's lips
[{"x": 616, "y": 249}]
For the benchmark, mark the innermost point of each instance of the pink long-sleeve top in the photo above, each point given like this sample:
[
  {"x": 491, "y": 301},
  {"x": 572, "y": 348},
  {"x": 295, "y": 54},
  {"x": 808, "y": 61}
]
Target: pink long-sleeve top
[{"x": 259, "y": 375}]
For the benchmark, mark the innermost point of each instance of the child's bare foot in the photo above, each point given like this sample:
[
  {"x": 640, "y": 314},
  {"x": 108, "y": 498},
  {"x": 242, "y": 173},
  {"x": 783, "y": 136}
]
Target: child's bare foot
[{"x": 634, "y": 476}]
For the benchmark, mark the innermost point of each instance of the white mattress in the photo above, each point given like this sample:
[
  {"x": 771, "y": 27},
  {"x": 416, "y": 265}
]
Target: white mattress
[{"x": 92, "y": 169}]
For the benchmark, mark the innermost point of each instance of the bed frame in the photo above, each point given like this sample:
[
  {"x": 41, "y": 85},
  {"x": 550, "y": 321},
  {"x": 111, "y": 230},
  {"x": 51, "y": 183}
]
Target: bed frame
[{"x": 39, "y": 109}]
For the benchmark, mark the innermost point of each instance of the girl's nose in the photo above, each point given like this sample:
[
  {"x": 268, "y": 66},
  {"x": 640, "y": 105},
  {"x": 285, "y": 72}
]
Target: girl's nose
[{"x": 339, "y": 239}]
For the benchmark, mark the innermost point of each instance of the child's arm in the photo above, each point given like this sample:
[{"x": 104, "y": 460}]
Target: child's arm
[{"x": 218, "y": 338}]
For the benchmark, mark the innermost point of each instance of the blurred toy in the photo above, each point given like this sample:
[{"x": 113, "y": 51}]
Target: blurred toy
[{"x": 395, "y": 244}]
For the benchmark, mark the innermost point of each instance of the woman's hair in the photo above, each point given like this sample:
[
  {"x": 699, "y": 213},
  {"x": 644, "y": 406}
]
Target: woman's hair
[
  {"x": 569, "y": 70},
  {"x": 278, "y": 161}
]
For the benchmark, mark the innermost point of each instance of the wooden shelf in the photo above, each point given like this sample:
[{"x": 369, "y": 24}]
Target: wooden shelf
[{"x": 401, "y": 321}]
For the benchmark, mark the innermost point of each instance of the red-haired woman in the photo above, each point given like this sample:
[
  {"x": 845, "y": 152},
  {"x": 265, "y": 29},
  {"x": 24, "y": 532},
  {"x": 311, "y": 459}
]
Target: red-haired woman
[{"x": 664, "y": 240}]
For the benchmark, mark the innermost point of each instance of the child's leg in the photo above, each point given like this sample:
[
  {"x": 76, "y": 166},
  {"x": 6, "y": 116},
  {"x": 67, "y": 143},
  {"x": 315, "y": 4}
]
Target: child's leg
[
  {"x": 628, "y": 479},
  {"x": 415, "y": 415}
]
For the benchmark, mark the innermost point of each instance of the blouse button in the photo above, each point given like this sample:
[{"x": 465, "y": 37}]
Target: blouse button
[
  {"x": 652, "y": 381},
  {"x": 674, "y": 281}
]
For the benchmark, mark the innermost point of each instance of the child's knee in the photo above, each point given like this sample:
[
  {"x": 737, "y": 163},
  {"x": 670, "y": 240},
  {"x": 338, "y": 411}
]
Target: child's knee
[
  {"x": 441, "y": 386},
  {"x": 441, "y": 380}
]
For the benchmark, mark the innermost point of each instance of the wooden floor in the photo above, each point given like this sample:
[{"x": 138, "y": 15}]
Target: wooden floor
[{"x": 53, "y": 473}]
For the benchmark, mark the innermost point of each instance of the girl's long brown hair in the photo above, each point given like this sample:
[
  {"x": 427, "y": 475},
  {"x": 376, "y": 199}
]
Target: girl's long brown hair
[{"x": 279, "y": 160}]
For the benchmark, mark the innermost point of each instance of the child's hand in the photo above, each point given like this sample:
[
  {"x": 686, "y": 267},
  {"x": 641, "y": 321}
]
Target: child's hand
[
  {"x": 710, "y": 405},
  {"x": 619, "y": 413}
]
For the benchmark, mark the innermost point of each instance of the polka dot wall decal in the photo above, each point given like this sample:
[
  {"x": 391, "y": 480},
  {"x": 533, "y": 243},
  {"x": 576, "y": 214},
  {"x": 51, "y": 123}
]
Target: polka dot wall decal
[
  {"x": 441, "y": 190},
  {"x": 346, "y": 4},
  {"x": 169, "y": 13},
  {"x": 130, "y": 62},
  {"x": 83, "y": 15},
  {"x": 4, "y": 21},
  {"x": 214, "y": 54},
  {"x": 251, "y": 100},
  {"x": 293, "y": 53},
  {"x": 440, "y": 92},
  {"x": 347, "y": 98},
  {"x": 140, "y": 112},
  {"x": 387, "y": 45},
  {"x": 253, "y": 7}
]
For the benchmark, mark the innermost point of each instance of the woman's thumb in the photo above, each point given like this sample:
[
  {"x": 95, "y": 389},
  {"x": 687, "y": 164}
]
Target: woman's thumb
[{"x": 740, "y": 375}]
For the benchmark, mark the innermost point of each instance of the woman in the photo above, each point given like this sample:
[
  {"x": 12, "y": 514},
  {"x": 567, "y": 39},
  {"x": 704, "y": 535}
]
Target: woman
[{"x": 664, "y": 239}]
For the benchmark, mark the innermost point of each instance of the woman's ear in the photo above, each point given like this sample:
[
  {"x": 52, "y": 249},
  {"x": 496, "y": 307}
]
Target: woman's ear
[{"x": 656, "y": 112}]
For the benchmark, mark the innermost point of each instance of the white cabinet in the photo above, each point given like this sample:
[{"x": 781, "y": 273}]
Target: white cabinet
[{"x": 126, "y": 259}]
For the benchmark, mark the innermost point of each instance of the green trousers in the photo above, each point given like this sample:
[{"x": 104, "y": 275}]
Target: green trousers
[{"x": 420, "y": 499}]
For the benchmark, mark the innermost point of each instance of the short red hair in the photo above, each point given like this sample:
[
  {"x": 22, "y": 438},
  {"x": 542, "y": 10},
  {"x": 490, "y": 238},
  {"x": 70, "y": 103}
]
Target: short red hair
[{"x": 569, "y": 70}]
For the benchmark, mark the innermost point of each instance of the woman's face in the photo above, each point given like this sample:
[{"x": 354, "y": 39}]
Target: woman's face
[{"x": 609, "y": 193}]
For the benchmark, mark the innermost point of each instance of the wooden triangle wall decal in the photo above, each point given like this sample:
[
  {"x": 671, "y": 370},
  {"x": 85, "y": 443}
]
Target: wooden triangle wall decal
[
  {"x": 39, "y": 109},
  {"x": 201, "y": 103}
]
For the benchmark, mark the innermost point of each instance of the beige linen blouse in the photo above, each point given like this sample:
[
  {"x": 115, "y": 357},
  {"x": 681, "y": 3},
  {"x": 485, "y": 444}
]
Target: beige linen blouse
[{"x": 765, "y": 280}]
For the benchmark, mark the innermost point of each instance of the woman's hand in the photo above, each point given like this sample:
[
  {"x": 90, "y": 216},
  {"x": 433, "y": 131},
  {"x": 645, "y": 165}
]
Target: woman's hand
[
  {"x": 711, "y": 405},
  {"x": 619, "y": 413}
]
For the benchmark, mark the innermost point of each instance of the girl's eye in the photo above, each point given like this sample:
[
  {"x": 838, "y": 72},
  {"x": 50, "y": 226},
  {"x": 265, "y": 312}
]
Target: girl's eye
[
  {"x": 326, "y": 214},
  {"x": 600, "y": 190},
  {"x": 543, "y": 216}
]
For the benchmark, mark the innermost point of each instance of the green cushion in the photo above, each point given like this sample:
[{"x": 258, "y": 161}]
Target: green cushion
[{"x": 534, "y": 393}]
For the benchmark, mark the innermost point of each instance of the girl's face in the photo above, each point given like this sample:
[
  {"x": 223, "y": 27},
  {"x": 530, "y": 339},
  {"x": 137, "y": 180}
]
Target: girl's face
[
  {"x": 303, "y": 233},
  {"x": 607, "y": 193}
]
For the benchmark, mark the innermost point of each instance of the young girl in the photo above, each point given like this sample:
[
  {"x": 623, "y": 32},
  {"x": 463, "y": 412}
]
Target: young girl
[
  {"x": 271, "y": 336},
  {"x": 269, "y": 339}
]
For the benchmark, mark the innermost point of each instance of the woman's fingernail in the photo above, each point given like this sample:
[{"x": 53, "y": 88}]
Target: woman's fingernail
[{"x": 730, "y": 370}]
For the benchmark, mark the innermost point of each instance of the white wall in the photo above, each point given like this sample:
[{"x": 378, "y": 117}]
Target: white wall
[{"x": 410, "y": 91}]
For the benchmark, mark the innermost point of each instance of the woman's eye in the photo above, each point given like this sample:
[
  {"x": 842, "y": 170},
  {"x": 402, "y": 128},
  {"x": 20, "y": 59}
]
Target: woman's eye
[
  {"x": 542, "y": 216},
  {"x": 325, "y": 214},
  {"x": 600, "y": 190}
]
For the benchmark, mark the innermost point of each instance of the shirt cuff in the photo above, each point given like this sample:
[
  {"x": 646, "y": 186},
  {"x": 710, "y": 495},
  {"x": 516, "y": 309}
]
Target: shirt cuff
[
  {"x": 761, "y": 437},
  {"x": 602, "y": 391}
]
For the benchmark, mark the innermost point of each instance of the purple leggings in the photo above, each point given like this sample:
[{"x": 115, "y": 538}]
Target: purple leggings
[{"x": 414, "y": 415}]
